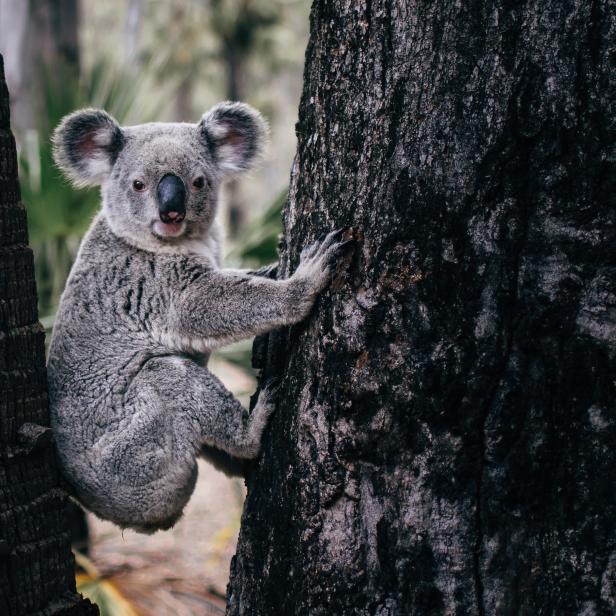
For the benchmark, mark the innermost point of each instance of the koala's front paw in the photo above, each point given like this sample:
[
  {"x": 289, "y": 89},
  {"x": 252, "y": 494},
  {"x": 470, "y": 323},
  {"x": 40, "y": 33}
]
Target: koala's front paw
[{"x": 318, "y": 260}]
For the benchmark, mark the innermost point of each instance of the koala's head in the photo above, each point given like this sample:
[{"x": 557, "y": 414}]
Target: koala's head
[{"x": 159, "y": 181}]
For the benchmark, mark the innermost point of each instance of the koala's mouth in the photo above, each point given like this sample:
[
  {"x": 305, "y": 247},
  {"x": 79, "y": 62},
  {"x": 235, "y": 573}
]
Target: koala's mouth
[{"x": 166, "y": 230}]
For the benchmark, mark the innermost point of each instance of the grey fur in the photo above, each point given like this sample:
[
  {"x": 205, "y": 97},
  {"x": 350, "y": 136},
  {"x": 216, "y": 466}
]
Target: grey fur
[{"x": 132, "y": 404}]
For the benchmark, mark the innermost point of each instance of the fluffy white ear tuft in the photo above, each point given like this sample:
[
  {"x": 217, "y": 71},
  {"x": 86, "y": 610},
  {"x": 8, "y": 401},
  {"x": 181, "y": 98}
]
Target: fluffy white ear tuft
[
  {"x": 236, "y": 134},
  {"x": 86, "y": 144}
]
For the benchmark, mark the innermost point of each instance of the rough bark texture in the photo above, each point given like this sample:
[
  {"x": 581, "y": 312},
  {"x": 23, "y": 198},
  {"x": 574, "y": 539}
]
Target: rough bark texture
[
  {"x": 36, "y": 564},
  {"x": 445, "y": 441}
]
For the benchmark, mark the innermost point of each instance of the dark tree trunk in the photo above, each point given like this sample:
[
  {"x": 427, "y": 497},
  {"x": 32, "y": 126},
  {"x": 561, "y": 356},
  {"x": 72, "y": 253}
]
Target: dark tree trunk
[
  {"x": 36, "y": 564},
  {"x": 445, "y": 441}
]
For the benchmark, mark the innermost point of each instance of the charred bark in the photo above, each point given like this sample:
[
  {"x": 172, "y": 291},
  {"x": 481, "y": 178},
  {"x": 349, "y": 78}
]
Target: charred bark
[
  {"x": 445, "y": 441},
  {"x": 36, "y": 565}
]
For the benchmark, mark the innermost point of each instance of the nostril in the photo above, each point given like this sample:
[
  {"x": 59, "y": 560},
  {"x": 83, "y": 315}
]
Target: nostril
[{"x": 171, "y": 216}]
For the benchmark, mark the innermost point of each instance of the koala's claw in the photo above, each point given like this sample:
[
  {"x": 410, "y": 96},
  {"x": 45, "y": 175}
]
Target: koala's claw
[
  {"x": 271, "y": 386},
  {"x": 324, "y": 242},
  {"x": 265, "y": 406},
  {"x": 333, "y": 238},
  {"x": 318, "y": 261},
  {"x": 341, "y": 248},
  {"x": 309, "y": 251},
  {"x": 259, "y": 416}
]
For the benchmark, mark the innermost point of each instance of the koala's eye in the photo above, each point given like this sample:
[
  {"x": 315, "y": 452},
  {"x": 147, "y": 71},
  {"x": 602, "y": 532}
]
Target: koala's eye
[
  {"x": 138, "y": 185},
  {"x": 198, "y": 183}
]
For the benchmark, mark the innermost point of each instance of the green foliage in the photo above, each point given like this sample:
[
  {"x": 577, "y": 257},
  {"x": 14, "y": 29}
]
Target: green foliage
[
  {"x": 58, "y": 214},
  {"x": 257, "y": 243},
  {"x": 255, "y": 246},
  {"x": 101, "y": 591}
]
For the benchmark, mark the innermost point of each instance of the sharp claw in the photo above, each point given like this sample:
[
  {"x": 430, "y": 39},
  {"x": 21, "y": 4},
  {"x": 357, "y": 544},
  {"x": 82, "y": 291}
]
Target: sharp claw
[
  {"x": 346, "y": 244},
  {"x": 309, "y": 251},
  {"x": 331, "y": 238},
  {"x": 271, "y": 385}
]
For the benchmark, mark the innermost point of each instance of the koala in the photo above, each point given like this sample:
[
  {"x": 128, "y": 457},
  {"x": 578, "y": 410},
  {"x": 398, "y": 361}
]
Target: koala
[{"x": 132, "y": 403}]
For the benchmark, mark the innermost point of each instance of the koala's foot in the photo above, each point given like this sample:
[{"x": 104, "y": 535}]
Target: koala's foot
[
  {"x": 259, "y": 416},
  {"x": 238, "y": 465},
  {"x": 316, "y": 267},
  {"x": 224, "y": 462}
]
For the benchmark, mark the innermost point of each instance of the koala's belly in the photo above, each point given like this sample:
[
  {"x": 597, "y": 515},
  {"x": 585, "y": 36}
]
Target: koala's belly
[{"x": 90, "y": 382}]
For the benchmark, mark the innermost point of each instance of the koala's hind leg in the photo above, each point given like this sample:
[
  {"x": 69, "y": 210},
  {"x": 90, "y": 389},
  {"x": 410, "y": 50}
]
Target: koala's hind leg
[
  {"x": 203, "y": 411},
  {"x": 147, "y": 469},
  {"x": 224, "y": 462}
]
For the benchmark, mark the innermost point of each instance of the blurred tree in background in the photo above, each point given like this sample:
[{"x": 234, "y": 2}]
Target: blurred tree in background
[
  {"x": 238, "y": 26},
  {"x": 143, "y": 61},
  {"x": 34, "y": 35}
]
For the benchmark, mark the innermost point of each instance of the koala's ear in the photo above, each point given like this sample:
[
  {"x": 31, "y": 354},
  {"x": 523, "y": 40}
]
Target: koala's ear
[
  {"x": 235, "y": 133},
  {"x": 86, "y": 144}
]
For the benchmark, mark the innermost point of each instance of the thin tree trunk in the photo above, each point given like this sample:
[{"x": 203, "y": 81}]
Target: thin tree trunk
[
  {"x": 445, "y": 440},
  {"x": 36, "y": 37},
  {"x": 184, "y": 100},
  {"x": 232, "y": 38},
  {"x": 234, "y": 61},
  {"x": 132, "y": 30},
  {"x": 36, "y": 565},
  {"x": 15, "y": 27}
]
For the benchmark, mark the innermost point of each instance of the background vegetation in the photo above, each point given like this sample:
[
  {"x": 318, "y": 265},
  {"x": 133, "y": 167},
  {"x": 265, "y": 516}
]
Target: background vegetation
[
  {"x": 167, "y": 61},
  {"x": 146, "y": 60}
]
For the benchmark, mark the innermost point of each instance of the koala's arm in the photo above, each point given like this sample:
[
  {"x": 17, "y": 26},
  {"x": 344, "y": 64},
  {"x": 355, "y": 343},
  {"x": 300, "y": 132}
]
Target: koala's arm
[
  {"x": 219, "y": 307},
  {"x": 267, "y": 271}
]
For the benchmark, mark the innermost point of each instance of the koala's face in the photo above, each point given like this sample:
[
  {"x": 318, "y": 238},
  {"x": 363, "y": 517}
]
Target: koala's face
[{"x": 159, "y": 181}]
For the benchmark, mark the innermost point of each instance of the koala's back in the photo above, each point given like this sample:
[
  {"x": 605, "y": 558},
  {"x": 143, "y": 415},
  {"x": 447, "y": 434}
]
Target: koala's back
[{"x": 104, "y": 334}]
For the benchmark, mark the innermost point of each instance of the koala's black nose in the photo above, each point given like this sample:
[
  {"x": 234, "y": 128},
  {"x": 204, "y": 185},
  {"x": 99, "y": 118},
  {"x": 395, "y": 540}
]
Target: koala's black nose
[{"x": 171, "y": 199}]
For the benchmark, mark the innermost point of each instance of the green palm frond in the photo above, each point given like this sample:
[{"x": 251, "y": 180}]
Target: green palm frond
[
  {"x": 257, "y": 243},
  {"x": 58, "y": 214}
]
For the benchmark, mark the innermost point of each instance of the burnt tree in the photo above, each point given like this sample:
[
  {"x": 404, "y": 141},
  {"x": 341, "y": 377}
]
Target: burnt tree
[
  {"x": 445, "y": 440},
  {"x": 36, "y": 565}
]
